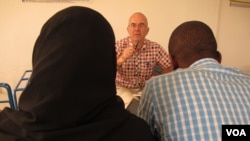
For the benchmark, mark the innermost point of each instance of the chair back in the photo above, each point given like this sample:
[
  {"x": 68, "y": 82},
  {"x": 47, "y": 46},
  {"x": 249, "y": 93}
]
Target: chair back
[
  {"x": 10, "y": 99},
  {"x": 21, "y": 85}
]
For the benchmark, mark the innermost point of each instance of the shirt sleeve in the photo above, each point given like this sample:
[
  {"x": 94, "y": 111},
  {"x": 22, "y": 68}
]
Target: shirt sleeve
[
  {"x": 146, "y": 110},
  {"x": 163, "y": 58},
  {"x": 118, "y": 48}
]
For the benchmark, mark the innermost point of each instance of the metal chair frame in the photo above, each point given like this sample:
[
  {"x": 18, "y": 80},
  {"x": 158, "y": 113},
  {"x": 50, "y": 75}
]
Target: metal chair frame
[
  {"x": 9, "y": 93},
  {"x": 19, "y": 87}
]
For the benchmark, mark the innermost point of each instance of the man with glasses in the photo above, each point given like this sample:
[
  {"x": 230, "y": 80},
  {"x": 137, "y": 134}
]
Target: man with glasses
[{"x": 137, "y": 57}]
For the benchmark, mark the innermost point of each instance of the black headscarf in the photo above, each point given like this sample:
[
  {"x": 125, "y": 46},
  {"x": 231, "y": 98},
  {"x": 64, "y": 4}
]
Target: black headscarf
[{"x": 72, "y": 95}]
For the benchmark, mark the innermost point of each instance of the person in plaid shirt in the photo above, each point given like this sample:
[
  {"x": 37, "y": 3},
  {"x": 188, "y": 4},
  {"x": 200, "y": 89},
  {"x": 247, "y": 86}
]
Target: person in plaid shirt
[{"x": 137, "y": 57}]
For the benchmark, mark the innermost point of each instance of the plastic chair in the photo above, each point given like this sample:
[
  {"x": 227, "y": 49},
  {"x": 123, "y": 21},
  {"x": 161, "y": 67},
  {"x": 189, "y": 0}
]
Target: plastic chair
[
  {"x": 9, "y": 93},
  {"x": 20, "y": 86}
]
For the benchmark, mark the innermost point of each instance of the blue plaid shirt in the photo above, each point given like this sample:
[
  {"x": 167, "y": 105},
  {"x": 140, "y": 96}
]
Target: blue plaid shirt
[{"x": 192, "y": 104}]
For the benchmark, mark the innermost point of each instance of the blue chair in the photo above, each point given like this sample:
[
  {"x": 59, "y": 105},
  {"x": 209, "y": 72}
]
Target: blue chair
[
  {"x": 20, "y": 87},
  {"x": 9, "y": 93}
]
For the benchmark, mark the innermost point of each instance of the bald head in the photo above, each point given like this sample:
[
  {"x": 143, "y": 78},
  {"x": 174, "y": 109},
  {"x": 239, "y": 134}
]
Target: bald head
[
  {"x": 139, "y": 17},
  {"x": 137, "y": 28},
  {"x": 191, "y": 41}
]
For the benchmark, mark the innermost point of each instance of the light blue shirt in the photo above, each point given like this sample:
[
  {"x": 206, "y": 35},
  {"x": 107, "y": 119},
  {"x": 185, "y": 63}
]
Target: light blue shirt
[{"x": 192, "y": 104}]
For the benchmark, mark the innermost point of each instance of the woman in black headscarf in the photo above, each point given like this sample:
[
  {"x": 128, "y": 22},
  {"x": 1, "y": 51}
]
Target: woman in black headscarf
[{"x": 71, "y": 95}]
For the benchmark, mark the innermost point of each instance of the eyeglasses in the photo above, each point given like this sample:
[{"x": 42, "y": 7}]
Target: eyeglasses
[{"x": 140, "y": 25}]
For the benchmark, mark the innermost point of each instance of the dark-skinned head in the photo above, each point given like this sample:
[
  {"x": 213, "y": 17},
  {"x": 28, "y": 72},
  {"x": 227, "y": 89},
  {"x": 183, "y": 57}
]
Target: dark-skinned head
[{"x": 191, "y": 41}]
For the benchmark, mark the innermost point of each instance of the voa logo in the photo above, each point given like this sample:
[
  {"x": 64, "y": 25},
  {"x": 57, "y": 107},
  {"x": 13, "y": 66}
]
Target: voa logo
[{"x": 236, "y": 132}]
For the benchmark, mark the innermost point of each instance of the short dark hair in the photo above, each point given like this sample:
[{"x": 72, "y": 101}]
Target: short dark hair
[{"x": 192, "y": 38}]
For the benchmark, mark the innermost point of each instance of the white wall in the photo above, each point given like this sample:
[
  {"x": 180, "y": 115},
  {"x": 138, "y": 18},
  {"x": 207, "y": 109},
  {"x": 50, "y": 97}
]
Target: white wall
[
  {"x": 21, "y": 23},
  {"x": 233, "y": 36}
]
